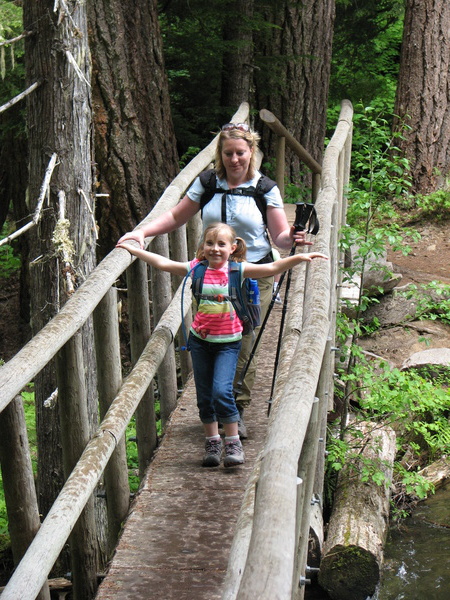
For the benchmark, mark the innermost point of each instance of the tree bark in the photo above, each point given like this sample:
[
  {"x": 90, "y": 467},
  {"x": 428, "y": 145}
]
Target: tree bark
[
  {"x": 59, "y": 121},
  {"x": 292, "y": 81},
  {"x": 237, "y": 62},
  {"x": 423, "y": 92},
  {"x": 353, "y": 550},
  {"x": 135, "y": 147}
]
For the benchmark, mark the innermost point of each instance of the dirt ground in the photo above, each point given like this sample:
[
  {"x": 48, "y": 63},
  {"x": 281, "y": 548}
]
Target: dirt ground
[{"x": 428, "y": 261}]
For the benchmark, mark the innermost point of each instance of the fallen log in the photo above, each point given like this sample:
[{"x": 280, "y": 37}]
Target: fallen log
[
  {"x": 438, "y": 473},
  {"x": 353, "y": 550}
]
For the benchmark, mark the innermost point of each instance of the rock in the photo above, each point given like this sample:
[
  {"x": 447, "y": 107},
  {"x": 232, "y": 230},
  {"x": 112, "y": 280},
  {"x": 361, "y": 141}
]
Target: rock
[
  {"x": 378, "y": 274},
  {"x": 392, "y": 309},
  {"x": 432, "y": 362}
]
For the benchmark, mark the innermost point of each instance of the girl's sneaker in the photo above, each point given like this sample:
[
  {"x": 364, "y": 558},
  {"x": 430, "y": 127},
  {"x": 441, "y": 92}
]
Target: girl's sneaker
[
  {"x": 213, "y": 452},
  {"x": 234, "y": 454}
]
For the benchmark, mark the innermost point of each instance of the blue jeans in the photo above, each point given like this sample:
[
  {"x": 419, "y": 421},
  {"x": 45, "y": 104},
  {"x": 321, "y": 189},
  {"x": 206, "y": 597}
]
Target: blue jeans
[{"x": 214, "y": 366}]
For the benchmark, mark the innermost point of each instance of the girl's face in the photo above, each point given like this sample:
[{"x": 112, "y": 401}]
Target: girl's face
[
  {"x": 217, "y": 247},
  {"x": 236, "y": 155}
]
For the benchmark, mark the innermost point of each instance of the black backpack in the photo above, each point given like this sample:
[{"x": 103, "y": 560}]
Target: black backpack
[
  {"x": 244, "y": 298},
  {"x": 209, "y": 182}
]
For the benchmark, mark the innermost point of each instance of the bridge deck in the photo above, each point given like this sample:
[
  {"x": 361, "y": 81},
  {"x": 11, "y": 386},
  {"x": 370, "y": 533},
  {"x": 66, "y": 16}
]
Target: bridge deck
[{"x": 176, "y": 540}]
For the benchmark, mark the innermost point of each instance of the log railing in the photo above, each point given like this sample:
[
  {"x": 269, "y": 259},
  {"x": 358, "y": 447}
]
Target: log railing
[
  {"x": 269, "y": 553},
  {"x": 274, "y": 551}
]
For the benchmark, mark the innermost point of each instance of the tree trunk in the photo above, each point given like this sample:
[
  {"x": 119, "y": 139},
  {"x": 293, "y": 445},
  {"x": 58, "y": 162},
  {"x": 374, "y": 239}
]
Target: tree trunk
[
  {"x": 59, "y": 121},
  {"x": 18, "y": 482},
  {"x": 237, "y": 62},
  {"x": 353, "y": 550},
  {"x": 294, "y": 61},
  {"x": 423, "y": 92},
  {"x": 135, "y": 149}
]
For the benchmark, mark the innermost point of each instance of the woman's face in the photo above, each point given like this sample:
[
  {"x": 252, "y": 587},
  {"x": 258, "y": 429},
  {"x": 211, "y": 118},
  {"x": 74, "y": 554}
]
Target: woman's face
[{"x": 236, "y": 155}]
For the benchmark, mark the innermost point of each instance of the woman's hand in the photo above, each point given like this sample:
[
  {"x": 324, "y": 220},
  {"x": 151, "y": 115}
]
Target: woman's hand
[
  {"x": 299, "y": 238},
  {"x": 137, "y": 235}
]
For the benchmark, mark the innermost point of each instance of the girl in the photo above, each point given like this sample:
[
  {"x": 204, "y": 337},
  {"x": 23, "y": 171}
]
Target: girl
[{"x": 216, "y": 333}]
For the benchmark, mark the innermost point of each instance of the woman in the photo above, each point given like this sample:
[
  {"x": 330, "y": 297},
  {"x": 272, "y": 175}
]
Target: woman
[{"x": 235, "y": 162}]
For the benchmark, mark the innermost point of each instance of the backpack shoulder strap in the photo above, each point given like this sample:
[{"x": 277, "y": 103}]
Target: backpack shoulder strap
[
  {"x": 264, "y": 185},
  {"x": 209, "y": 182},
  {"x": 198, "y": 275},
  {"x": 235, "y": 286}
]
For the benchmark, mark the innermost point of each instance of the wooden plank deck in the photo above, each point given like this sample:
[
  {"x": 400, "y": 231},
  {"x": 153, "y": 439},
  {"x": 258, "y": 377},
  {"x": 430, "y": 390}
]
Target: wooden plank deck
[{"x": 176, "y": 540}]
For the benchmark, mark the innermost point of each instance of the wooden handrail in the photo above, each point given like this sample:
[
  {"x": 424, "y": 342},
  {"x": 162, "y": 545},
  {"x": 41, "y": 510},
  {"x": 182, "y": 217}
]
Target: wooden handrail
[{"x": 274, "y": 124}]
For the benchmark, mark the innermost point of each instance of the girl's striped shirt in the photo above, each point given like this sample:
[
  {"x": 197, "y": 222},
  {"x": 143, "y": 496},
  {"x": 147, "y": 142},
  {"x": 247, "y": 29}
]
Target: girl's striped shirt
[{"x": 216, "y": 320}]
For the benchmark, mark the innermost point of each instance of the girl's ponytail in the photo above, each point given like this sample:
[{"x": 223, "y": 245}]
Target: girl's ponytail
[{"x": 241, "y": 250}]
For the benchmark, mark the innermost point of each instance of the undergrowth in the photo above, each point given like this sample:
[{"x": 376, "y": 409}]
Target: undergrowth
[{"x": 413, "y": 404}]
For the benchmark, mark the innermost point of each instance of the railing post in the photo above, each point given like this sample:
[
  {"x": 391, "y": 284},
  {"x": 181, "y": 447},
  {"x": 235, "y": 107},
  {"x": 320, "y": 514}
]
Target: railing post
[
  {"x": 306, "y": 468},
  {"x": 139, "y": 326},
  {"x": 161, "y": 298},
  {"x": 178, "y": 244},
  {"x": 109, "y": 376},
  {"x": 18, "y": 483},
  {"x": 84, "y": 550}
]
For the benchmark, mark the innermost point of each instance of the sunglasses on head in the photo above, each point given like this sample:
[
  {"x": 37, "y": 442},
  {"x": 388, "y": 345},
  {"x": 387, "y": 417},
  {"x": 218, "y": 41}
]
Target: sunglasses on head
[{"x": 240, "y": 126}]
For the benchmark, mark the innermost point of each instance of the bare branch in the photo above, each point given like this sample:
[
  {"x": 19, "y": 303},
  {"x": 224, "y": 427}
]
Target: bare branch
[
  {"x": 40, "y": 202},
  {"x": 16, "y": 39},
  {"x": 44, "y": 187},
  {"x": 20, "y": 96}
]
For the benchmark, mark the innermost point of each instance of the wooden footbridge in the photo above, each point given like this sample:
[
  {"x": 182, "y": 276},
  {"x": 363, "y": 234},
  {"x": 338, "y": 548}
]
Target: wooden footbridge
[{"x": 190, "y": 532}]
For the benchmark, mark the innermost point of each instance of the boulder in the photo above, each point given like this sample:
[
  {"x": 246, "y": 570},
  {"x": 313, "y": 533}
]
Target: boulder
[{"x": 431, "y": 362}]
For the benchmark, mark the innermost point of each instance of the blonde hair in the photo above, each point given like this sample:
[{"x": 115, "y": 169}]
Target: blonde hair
[
  {"x": 251, "y": 137},
  {"x": 213, "y": 230}
]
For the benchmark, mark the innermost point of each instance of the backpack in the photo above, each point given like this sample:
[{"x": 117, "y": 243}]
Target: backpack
[
  {"x": 209, "y": 182},
  {"x": 244, "y": 298}
]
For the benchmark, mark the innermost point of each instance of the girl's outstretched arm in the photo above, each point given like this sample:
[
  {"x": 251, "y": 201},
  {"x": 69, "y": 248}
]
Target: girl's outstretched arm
[
  {"x": 279, "y": 266},
  {"x": 155, "y": 260}
]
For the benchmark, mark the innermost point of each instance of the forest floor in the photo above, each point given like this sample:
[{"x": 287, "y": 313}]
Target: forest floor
[{"x": 428, "y": 261}]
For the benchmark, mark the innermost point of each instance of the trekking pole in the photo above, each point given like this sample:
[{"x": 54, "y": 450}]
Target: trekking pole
[
  {"x": 243, "y": 373},
  {"x": 304, "y": 213}
]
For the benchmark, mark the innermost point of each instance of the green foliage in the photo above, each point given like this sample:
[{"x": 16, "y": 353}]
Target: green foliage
[
  {"x": 415, "y": 407},
  {"x": 9, "y": 262},
  {"x": 366, "y": 50},
  {"x": 11, "y": 55},
  {"x": 132, "y": 456},
  {"x": 190, "y": 153},
  {"x": 435, "y": 205},
  {"x": 433, "y": 301},
  {"x": 379, "y": 175}
]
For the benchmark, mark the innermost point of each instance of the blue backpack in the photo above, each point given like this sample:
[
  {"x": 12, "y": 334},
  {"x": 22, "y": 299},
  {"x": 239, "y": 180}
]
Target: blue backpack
[{"x": 244, "y": 298}]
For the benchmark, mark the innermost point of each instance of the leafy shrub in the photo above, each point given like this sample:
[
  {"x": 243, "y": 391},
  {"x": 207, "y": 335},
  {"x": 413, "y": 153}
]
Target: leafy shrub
[
  {"x": 435, "y": 205},
  {"x": 9, "y": 261}
]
